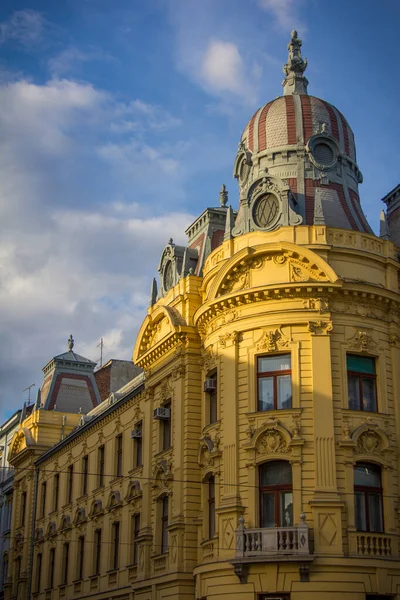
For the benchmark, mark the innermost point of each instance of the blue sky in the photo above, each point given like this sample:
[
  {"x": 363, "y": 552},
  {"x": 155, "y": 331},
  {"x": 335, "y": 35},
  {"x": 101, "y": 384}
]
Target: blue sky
[{"x": 120, "y": 120}]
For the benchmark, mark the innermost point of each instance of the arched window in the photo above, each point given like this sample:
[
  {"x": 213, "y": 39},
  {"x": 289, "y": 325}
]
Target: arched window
[
  {"x": 368, "y": 497},
  {"x": 276, "y": 497}
]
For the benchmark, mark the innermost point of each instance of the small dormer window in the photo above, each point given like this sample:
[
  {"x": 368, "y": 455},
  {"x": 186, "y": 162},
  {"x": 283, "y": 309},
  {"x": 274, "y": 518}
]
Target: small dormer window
[{"x": 168, "y": 276}]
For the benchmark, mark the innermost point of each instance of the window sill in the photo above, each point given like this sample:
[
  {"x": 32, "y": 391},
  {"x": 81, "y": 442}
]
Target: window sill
[
  {"x": 117, "y": 479},
  {"x": 96, "y": 576},
  {"x": 97, "y": 489},
  {"x": 211, "y": 426},
  {"x": 281, "y": 411},
  {"x": 66, "y": 506},
  {"x": 135, "y": 470},
  {"x": 163, "y": 453},
  {"x": 83, "y": 497},
  {"x": 111, "y": 571}
]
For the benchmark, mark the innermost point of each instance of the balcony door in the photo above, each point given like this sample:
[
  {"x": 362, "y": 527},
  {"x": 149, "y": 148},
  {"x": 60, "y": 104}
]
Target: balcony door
[{"x": 276, "y": 495}]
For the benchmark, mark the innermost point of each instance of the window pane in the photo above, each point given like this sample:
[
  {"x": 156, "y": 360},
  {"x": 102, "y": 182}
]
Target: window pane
[
  {"x": 275, "y": 473},
  {"x": 284, "y": 385},
  {"x": 213, "y": 408},
  {"x": 267, "y": 509},
  {"x": 286, "y": 509},
  {"x": 274, "y": 363},
  {"x": 354, "y": 392},
  {"x": 368, "y": 392},
  {"x": 367, "y": 475},
  {"x": 266, "y": 393},
  {"x": 359, "y": 506},
  {"x": 361, "y": 364},
  {"x": 375, "y": 512}
]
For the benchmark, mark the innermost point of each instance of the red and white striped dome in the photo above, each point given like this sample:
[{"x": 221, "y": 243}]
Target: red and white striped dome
[{"x": 292, "y": 120}]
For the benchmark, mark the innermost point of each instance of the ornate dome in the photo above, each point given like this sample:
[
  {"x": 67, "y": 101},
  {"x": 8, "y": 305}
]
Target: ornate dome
[{"x": 296, "y": 162}]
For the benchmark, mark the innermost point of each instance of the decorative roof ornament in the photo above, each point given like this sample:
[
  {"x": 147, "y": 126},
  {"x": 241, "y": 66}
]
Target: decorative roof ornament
[
  {"x": 295, "y": 82},
  {"x": 223, "y": 196},
  {"x": 70, "y": 343}
]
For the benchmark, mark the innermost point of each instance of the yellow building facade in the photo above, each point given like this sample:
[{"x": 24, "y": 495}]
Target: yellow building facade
[{"x": 257, "y": 455}]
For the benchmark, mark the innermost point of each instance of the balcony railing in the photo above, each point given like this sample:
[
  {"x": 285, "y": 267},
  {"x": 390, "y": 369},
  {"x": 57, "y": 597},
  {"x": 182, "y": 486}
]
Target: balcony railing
[
  {"x": 275, "y": 541},
  {"x": 374, "y": 545}
]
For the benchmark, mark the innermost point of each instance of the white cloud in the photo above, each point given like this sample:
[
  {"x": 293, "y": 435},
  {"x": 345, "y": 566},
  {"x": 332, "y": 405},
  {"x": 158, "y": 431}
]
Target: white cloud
[
  {"x": 71, "y": 58},
  {"x": 25, "y": 27},
  {"x": 286, "y": 13},
  {"x": 78, "y": 246},
  {"x": 222, "y": 67}
]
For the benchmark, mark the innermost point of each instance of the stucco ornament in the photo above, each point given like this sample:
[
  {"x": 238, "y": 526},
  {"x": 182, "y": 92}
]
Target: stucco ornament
[
  {"x": 273, "y": 340},
  {"x": 363, "y": 341},
  {"x": 272, "y": 442}
]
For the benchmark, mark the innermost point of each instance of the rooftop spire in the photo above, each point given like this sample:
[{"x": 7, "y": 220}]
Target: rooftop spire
[{"x": 295, "y": 82}]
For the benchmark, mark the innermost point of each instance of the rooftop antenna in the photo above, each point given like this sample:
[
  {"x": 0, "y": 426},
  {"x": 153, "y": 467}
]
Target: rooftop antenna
[
  {"x": 101, "y": 351},
  {"x": 28, "y": 389}
]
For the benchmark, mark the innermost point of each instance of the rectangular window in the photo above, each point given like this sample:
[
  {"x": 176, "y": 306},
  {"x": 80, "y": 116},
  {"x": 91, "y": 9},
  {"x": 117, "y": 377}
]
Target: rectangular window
[
  {"x": 70, "y": 475},
  {"x": 5, "y": 568},
  {"x": 115, "y": 545},
  {"x": 43, "y": 499},
  {"x": 138, "y": 447},
  {"x": 368, "y": 497},
  {"x": 81, "y": 555},
  {"x": 361, "y": 383},
  {"x": 51, "y": 567},
  {"x": 166, "y": 429},
  {"x": 56, "y": 491},
  {"x": 9, "y": 502},
  {"x": 97, "y": 551},
  {"x": 65, "y": 563},
  {"x": 101, "y": 465},
  {"x": 274, "y": 382},
  {"x": 85, "y": 474},
  {"x": 23, "y": 508},
  {"x": 39, "y": 571},
  {"x": 211, "y": 507},
  {"x": 118, "y": 455},
  {"x": 135, "y": 534},
  {"x": 212, "y": 398},
  {"x": 164, "y": 525}
]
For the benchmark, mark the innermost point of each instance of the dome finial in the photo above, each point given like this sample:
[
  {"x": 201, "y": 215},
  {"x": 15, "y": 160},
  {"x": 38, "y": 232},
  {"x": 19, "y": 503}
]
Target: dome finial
[
  {"x": 295, "y": 82},
  {"x": 70, "y": 343}
]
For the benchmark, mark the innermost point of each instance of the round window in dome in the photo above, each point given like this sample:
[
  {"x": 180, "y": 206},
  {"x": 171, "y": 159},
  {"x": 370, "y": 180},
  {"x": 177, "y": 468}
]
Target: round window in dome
[
  {"x": 266, "y": 210},
  {"x": 323, "y": 153}
]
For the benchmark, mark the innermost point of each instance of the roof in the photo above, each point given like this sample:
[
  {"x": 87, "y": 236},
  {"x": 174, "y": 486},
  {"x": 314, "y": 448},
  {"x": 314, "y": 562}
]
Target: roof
[{"x": 73, "y": 357}]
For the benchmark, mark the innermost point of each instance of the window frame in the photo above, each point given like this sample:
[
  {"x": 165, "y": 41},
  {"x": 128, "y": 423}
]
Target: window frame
[
  {"x": 274, "y": 375},
  {"x": 24, "y": 499},
  {"x": 85, "y": 474},
  {"x": 97, "y": 553},
  {"x": 138, "y": 447},
  {"x": 56, "y": 490},
  {"x": 52, "y": 561},
  {"x": 81, "y": 556},
  {"x": 115, "y": 536},
  {"x": 164, "y": 524},
  {"x": 65, "y": 563},
  {"x": 135, "y": 534},
  {"x": 70, "y": 478},
  {"x": 277, "y": 489},
  {"x": 360, "y": 376},
  {"x": 166, "y": 428},
  {"x": 43, "y": 493},
  {"x": 211, "y": 507},
  {"x": 101, "y": 463},
  {"x": 368, "y": 492},
  {"x": 118, "y": 455}
]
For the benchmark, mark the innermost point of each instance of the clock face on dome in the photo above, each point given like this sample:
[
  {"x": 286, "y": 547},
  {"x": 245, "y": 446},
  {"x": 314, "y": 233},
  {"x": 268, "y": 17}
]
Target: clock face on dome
[
  {"x": 266, "y": 210},
  {"x": 168, "y": 278}
]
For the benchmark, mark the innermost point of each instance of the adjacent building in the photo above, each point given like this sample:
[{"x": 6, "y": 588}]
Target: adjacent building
[{"x": 257, "y": 455}]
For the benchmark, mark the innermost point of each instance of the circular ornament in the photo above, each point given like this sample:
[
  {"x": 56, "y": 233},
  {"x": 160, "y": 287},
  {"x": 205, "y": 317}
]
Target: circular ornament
[{"x": 266, "y": 210}]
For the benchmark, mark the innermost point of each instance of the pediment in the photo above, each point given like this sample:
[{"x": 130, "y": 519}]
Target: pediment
[
  {"x": 269, "y": 264},
  {"x": 157, "y": 327},
  {"x": 21, "y": 440}
]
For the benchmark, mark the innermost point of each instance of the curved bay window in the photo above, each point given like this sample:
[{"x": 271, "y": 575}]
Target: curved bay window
[
  {"x": 274, "y": 382},
  {"x": 368, "y": 497},
  {"x": 276, "y": 496}
]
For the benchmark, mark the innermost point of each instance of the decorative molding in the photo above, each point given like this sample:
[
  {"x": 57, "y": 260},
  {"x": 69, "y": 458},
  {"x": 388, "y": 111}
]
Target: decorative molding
[
  {"x": 231, "y": 338},
  {"x": 362, "y": 341},
  {"x": 272, "y": 442},
  {"x": 273, "y": 340},
  {"x": 209, "y": 358},
  {"x": 320, "y": 327}
]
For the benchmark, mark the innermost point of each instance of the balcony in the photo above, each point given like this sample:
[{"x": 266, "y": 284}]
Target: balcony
[
  {"x": 373, "y": 545},
  {"x": 272, "y": 542},
  {"x": 271, "y": 545}
]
